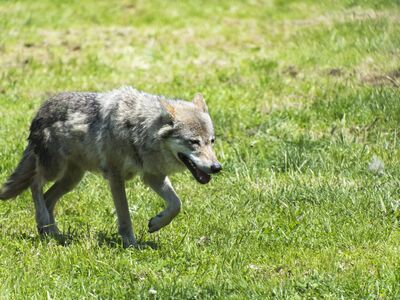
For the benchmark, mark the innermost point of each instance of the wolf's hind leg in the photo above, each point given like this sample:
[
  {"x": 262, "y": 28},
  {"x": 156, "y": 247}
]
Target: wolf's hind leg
[
  {"x": 70, "y": 179},
  {"x": 162, "y": 186},
  {"x": 42, "y": 215}
]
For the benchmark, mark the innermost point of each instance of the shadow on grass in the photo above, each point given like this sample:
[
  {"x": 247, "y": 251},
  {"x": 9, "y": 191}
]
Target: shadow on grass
[
  {"x": 61, "y": 239},
  {"x": 114, "y": 241},
  {"x": 65, "y": 239}
]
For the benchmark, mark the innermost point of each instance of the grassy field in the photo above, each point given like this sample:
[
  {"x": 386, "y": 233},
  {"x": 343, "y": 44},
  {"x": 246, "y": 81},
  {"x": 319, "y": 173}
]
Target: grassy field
[{"x": 303, "y": 95}]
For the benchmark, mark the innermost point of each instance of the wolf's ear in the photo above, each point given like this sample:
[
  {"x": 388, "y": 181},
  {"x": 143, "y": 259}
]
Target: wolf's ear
[
  {"x": 199, "y": 102},
  {"x": 168, "y": 111}
]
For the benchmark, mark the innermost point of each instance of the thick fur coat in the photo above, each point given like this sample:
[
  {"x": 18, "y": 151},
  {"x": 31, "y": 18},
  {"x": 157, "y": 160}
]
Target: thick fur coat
[{"x": 121, "y": 134}]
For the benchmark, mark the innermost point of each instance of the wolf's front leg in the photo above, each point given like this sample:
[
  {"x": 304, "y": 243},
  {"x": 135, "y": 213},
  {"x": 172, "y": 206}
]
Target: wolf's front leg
[
  {"x": 117, "y": 185},
  {"x": 162, "y": 186}
]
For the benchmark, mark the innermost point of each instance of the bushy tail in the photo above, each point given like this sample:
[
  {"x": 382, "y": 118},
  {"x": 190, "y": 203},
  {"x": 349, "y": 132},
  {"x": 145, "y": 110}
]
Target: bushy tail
[{"x": 22, "y": 177}]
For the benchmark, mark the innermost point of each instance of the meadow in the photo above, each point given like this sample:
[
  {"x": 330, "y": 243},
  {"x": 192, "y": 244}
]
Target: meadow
[{"x": 303, "y": 95}]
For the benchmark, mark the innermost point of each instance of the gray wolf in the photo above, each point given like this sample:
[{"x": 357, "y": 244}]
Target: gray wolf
[{"x": 121, "y": 133}]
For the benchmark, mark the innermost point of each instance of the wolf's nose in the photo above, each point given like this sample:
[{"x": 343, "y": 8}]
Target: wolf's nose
[{"x": 216, "y": 167}]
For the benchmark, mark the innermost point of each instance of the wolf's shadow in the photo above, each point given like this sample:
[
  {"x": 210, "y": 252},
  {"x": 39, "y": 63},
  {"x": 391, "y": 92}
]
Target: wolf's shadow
[
  {"x": 67, "y": 238},
  {"x": 114, "y": 241}
]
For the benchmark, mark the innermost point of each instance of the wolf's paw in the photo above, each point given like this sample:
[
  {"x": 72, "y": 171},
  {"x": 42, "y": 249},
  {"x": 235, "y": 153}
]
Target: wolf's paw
[
  {"x": 158, "y": 222},
  {"x": 50, "y": 229},
  {"x": 129, "y": 242},
  {"x": 153, "y": 225}
]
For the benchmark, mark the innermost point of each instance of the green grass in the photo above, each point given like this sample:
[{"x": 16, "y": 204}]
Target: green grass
[{"x": 302, "y": 94}]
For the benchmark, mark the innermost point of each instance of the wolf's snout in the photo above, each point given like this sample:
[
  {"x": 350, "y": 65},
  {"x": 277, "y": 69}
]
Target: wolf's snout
[{"x": 216, "y": 168}]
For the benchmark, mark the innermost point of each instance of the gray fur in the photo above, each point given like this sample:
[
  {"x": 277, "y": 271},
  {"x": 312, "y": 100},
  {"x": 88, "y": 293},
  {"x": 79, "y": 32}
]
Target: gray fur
[{"x": 121, "y": 133}]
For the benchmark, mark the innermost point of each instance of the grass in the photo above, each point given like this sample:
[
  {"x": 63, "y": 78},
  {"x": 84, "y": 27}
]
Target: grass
[{"x": 302, "y": 93}]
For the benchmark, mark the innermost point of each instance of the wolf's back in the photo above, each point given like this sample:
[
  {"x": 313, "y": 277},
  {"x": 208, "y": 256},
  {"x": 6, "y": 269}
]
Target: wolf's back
[{"x": 22, "y": 177}]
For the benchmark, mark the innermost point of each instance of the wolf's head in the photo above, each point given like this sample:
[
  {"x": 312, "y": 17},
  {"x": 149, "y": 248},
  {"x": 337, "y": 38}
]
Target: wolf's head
[{"x": 189, "y": 134}]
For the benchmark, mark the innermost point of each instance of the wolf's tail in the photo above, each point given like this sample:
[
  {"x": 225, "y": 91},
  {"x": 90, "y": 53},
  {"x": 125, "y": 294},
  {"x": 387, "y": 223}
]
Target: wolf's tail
[{"x": 22, "y": 177}]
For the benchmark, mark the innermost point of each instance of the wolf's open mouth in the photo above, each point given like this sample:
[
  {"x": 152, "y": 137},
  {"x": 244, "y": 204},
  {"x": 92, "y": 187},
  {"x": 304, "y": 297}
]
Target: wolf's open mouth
[{"x": 200, "y": 176}]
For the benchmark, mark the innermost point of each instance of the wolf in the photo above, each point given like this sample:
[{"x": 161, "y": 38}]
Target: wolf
[{"x": 121, "y": 133}]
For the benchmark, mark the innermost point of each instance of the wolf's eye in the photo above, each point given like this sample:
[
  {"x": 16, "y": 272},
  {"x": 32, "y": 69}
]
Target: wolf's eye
[
  {"x": 194, "y": 142},
  {"x": 212, "y": 140}
]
